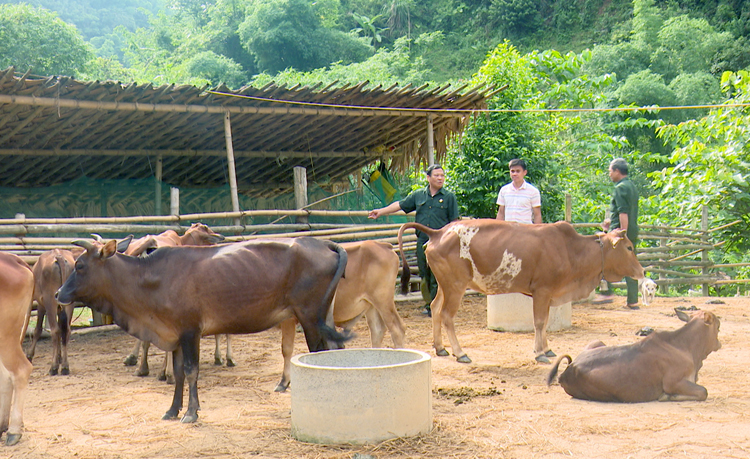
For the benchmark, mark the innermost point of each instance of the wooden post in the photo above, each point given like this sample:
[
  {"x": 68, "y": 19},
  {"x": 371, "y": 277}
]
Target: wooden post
[
  {"x": 158, "y": 177},
  {"x": 568, "y": 208},
  {"x": 663, "y": 289},
  {"x": 300, "y": 191},
  {"x": 430, "y": 142},
  {"x": 230, "y": 167},
  {"x": 704, "y": 238},
  {"x": 174, "y": 201}
]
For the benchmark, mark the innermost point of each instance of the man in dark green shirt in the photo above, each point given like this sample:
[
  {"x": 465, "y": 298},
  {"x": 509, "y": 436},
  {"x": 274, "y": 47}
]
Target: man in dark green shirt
[
  {"x": 436, "y": 207},
  {"x": 623, "y": 214}
]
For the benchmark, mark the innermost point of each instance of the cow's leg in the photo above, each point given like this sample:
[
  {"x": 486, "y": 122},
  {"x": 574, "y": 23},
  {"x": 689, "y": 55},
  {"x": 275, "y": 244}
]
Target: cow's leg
[
  {"x": 288, "y": 329},
  {"x": 449, "y": 308},
  {"x": 179, "y": 385},
  {"x": 40, "y": 313},
  {"x": 143, "y": 369},
  {"x": 132, "y": 359},
  {"x": 66, "y": 317},
  {"x": 542, "y": 351},
  {"x": 230, "y": 357},
  {"x": 678, "y": 388},
  {"x": 437, "y": 332},
  {"x": 395, "y": 324},
  {"x": 217, "y": 351},
  {"x": 190, "y": 344},
  {"x": 15, "y": 370},
  {"x": 376, "y": 325},
  {"x": 54, "y": 332}
]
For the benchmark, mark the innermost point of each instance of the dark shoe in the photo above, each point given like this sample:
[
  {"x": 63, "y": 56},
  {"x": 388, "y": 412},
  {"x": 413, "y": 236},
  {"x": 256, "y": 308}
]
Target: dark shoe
[
  {"x": 426, "y": 311},
  {"x": 633, "y": 306}
]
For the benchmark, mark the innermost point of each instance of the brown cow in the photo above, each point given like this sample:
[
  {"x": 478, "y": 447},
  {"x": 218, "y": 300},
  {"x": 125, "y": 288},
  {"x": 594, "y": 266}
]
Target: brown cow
[
  {"x": 549, "y": 262},
  {"x": 366, "y": 289},
  {"x": 176, "y": 295},
  {"x": 16, "y": 292},
  {"x": 198, "y": 234},
  {"x": 662, "y": 366},
  {"x": 50, "y": 271}
]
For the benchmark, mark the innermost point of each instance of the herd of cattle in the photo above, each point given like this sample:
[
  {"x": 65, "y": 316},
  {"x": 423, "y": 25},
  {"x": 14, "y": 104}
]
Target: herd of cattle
[{"x": 171, "y": 290}]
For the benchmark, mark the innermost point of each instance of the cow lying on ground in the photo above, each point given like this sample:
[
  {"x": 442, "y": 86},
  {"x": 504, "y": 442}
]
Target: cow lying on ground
[
  {"x": 51, "y": 269},
  {"x": 178, "y": 294},
  {"x": 198, "y": 235},
  {"x": 663, "y": 366},
  {"x": 16, "y": 291},
  {"x": 549, "y": 262},
  {"x": 648, "y": 290},
  {"x": 366, "y": 289}
]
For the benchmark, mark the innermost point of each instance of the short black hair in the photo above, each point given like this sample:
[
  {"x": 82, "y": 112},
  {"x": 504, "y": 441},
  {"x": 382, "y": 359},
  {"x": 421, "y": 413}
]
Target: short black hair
[
  {"x": 517, "y": 162},
  {"x": 620, "y": 165},
  {"x": 431, "y": 168}
]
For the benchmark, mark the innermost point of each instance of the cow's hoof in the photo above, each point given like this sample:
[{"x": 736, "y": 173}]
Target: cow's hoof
[
  {"x": 169, "y": 379},
  {"x": 162, "y": 377},
  {"x": 130, "y": 360},
  {"x": 230, "y": 363},
  {"x": 141, "y": 373},
  {"x": 189, "y": 418},
  {"x": 53, "y": 371},
  {"x": 65, "y": 371},
  {"x": 281, "y": 387},
  {"x": 463, "y": 359},
  {"x": 550, "y": 354},
  {"x": 170, "y": 415},
  {"x": 12, "y": 439},
  {"x": 442, "y": 353},
  {"x": 542, "y": 359},
  {"x": 218, "y": 362}
]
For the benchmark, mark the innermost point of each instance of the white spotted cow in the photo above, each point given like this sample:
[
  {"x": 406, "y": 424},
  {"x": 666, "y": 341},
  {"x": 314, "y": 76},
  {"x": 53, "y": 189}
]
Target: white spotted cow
[{"x": 550, "y": 262}]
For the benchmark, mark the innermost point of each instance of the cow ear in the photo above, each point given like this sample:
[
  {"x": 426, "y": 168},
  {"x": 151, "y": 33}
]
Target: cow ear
[
  {"x": 682, "y": 315},
  {"x": 616, "y": 238},
  {"x": 109, "y": 249},
  {"x": 708, "y": 318},
  {"x": 123, "y": 245}
]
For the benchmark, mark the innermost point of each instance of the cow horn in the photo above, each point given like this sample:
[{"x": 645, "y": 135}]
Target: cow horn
[
  {"x": 85, "y": 243},
  {"x": 97, "y": 237}
]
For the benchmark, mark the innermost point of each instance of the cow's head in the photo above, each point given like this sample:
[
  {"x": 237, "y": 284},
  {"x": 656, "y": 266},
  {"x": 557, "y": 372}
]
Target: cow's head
[
  {"x": 707, "y": 327},
  {"x": 200, "y": 234},
  {"x": 618, "y": 257},
  {"x": 89, "y": 277}
]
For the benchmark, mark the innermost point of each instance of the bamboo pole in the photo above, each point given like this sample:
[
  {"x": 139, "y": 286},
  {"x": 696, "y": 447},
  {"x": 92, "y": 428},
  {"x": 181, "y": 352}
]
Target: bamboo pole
[{"x": 230, "y": 166}]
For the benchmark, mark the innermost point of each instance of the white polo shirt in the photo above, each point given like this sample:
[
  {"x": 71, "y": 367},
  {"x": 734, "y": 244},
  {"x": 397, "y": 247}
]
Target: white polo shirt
[{"x": 519, "y": 202}]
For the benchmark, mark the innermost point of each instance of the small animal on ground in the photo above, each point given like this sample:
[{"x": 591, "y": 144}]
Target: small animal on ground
[
  {"x": 550, "y": 262},
  {"x": 16, "y": 292},
  {"x": 662, "y": 366},
  {"x": 648, "y": 290}
]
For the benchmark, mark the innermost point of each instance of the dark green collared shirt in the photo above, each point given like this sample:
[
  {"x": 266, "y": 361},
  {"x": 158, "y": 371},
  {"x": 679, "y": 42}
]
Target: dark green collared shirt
[
  {"x": 432, "y": 211},
  {"x": 625, "y": 201}
]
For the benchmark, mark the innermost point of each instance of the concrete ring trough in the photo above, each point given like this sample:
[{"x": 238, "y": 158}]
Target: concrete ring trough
[{"x": 360, "y": 396}]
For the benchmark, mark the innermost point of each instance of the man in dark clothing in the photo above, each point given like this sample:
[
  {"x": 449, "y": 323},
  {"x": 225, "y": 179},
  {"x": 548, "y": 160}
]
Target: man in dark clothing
[
  {"x": 623, "y": 214},
  {"x": 436, "y": 207}
]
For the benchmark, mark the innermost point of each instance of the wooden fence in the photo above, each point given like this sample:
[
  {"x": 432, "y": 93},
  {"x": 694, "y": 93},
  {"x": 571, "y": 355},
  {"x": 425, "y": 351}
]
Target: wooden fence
[{"x": 672, "y": 256}]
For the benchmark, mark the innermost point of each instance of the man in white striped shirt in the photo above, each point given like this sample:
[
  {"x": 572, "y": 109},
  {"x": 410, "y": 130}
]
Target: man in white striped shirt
[{"x": 519, "y": 200}]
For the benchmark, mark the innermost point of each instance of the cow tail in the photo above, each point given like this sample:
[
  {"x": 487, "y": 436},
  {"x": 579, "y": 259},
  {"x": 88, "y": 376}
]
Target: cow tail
[
  {"x": 329, "y": 331},
  {"x": 553, "y": 371},
  {"x": 405, "y": 271},
  {"x": 63, "y": 270}
]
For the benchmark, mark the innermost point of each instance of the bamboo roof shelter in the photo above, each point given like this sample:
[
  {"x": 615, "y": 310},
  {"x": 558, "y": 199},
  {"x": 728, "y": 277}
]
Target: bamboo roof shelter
[{"x": 57, "y": 129}]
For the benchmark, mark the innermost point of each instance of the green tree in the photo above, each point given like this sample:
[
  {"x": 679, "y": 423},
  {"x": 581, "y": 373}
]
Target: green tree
[
  {"x": 285, "y": 34},
  {"x": 37, "y": 39}
]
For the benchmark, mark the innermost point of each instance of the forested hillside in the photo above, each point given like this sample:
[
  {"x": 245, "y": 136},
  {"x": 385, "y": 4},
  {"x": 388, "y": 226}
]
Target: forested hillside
[{"x": 620, "y": 60}]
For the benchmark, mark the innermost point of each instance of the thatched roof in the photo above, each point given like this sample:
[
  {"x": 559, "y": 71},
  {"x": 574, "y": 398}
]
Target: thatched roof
[{"x": 56, "y": 129}]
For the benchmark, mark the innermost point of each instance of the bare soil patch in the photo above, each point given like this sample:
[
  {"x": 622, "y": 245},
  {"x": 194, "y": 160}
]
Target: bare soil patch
[{"x": 497, "y": 406}]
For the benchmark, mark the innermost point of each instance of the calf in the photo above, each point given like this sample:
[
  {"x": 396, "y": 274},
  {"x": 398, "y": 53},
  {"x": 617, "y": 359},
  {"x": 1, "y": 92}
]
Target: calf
[
  {"x": 366, "y": 289},
  {"x": 16, "y": 291},
  {"x": 663, "y": 366},
  {"x": 176, "y": 295},
  {"x": 51, "y": 269}
]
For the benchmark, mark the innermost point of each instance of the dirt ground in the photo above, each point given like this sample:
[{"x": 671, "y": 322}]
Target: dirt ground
[{"x": 497, "y": 406}]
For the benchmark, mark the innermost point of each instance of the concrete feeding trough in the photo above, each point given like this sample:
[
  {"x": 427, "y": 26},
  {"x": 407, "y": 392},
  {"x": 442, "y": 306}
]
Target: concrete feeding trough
[
  {"x": 514, "y": 312},
  {"x": 360, "y": 396}
]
